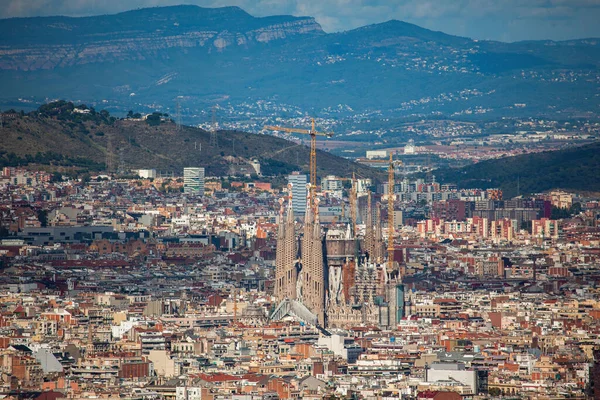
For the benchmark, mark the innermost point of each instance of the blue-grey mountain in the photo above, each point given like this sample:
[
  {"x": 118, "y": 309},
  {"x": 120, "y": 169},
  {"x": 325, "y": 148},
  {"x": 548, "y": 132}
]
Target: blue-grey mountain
[{"x": 224, "y": 55}]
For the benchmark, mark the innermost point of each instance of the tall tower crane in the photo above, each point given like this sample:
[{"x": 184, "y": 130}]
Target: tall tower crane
[
  {"x": 352, "y": 198},
  {"x": 313, "y": 148},
  {"x": 391, "y": 184}
]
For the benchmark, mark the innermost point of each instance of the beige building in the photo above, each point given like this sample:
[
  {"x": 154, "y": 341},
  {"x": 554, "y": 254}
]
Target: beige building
[
  {"x": 164, "y": 365},
  {"x": 561, "y": 199}
]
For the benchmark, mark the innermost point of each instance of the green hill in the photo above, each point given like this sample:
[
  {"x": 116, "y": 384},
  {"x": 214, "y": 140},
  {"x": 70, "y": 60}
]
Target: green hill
[
  {"x": 571, "y": 169},
  {"x": 56, "y": 135}
]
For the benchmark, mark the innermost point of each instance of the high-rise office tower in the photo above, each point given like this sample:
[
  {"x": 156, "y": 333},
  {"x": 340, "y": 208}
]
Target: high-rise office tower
[
  {"x": 193, "y": 180},
  {"x": 395, "y": 297},
  {"x": 299, "y": 191}
]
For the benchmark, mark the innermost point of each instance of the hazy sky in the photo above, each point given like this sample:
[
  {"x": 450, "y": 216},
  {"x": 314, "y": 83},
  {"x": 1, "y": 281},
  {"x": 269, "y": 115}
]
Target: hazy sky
[{"x": 507, "y": 20}]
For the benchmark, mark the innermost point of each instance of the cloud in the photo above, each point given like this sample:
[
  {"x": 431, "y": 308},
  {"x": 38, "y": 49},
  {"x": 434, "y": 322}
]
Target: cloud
[{"x": 482, "y": 19}]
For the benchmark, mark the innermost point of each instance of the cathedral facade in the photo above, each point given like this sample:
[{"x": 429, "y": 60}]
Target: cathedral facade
[{"x": 338, "y": 277}]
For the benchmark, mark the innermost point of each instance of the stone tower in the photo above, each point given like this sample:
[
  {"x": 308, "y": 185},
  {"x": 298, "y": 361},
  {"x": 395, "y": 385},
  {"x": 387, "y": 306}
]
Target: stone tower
[
  {"x": 369, "y": 234},
  {"x": 313, "y": 287},
  {"x": 285, "y": 256}
]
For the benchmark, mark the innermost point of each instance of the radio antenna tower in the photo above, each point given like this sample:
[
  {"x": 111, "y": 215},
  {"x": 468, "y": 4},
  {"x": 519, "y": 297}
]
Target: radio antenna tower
[
  {"x": 121, "y": 161},
  {"x": 178, "y": 111},
  {"x": 213, "y": 131},
  {"x": 109, "y": 154},
  {"x": 429, "y": 177}
]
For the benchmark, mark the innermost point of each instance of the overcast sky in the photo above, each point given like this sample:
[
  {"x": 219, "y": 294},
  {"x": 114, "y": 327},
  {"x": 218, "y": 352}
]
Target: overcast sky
[{"x": 506, "y": 20}]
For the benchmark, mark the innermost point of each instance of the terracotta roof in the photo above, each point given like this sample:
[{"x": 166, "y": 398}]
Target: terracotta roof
[
  {"x": 219, "y": 377},
  {"x": 438, "y": 301}
]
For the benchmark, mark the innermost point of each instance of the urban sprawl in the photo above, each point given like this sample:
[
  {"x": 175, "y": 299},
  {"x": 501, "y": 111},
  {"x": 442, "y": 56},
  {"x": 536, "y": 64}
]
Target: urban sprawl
[{"x": 191, "y": 287}]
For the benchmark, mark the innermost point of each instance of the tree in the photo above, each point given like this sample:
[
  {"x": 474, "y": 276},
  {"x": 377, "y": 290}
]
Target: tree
[
  {"x": 43, "y": 217},
  {"x": 85, "y": 178},
  {"x": 559, "y": 213},
  {"x": 526, "y": 225},
  {"x": 56, "y": 177},
  {"x": 154, "y": 119}
]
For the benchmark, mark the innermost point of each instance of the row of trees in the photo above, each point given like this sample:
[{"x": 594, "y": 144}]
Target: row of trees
[
  {"x": 48, "y": 158},
  {"x": 562, "y": 213},
  {"x": 64, "y": 111}
]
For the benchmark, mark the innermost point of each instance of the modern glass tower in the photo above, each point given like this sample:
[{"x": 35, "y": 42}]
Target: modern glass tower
[
  {"x": 193, "y": 180},
  {"x": 299, "y": 191}
]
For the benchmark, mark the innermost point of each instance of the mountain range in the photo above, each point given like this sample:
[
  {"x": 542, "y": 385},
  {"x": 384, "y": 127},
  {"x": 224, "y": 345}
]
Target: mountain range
[{"x": 284, "y": 65}]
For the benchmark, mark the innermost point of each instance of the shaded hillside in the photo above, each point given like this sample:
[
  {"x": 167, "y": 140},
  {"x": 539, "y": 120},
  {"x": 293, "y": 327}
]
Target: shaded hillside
[
  {"x": 572, "y": 169},
  {"x": 58, "y": 135}
]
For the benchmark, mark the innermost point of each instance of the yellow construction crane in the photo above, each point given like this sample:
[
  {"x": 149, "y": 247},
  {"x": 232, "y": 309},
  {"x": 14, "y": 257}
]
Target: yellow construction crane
[
  {"x": 313, "y": 148},
  {"x": 352, "y": 199},
  {"x": 391, "y": 184}
]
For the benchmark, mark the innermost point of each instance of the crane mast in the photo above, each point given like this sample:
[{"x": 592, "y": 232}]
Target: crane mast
[
  {"x": 352, "y": 198},
  {"x": 313, "y": 149},
  {"x": 390, "y": 247},
  {"x": 313, "y": 159}
]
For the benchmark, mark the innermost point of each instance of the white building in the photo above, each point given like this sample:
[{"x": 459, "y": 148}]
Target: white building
[
  {"x": 256, "y": 165},
  {"x": 188, "y": 393},
  {"x": 372, "y": 154},
  {"x": 125, "y": 326},
  {"x": 452, "y": 371},
  {"x": 147, "y": 173},
  {"x": 184, "y": 220},
  {"x": 331, "y": 183},
  {"x": 363, "y": 185},
  {"x": 193, "y": 180},
  {"x": 410, "y": 147}
]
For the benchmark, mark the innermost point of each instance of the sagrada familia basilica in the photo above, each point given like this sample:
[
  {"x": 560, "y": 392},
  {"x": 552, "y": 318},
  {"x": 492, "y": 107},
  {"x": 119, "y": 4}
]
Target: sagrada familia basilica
[{"x": 334, "y": 278}]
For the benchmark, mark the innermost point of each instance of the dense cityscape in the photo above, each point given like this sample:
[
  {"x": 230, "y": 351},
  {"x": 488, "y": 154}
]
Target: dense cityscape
[
  {"x": 195, "y": 287},
  {"x": 281, "y": 200}
]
